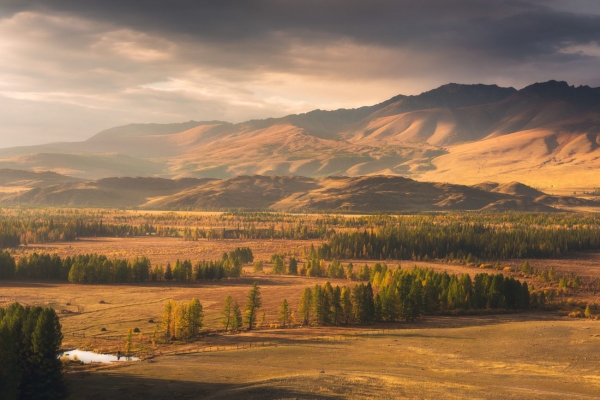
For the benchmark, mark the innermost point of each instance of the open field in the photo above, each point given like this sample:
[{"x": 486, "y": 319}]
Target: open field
[
  {"x": 542, "y": 359},
  {"x": 163, "y": 250},
  {"x": 526, "y": 355}
]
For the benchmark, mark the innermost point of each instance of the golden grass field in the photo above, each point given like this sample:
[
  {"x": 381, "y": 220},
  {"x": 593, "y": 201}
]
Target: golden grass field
[
  {"x": 533, "y": 355},
  {"x": 543, "y": 359},
  {"x": 536, "y": 355}
]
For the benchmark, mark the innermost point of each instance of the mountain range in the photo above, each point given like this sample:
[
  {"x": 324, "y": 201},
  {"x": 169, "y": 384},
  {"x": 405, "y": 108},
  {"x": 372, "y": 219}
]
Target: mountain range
[{"x": 546, "y": 135}]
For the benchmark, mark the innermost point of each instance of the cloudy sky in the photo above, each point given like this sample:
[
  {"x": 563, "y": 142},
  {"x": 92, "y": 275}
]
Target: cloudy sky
[{"x": 69, "y": 68}]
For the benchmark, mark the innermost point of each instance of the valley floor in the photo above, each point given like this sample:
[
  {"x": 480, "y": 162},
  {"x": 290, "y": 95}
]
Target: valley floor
[{"x": 521, "y": 358}]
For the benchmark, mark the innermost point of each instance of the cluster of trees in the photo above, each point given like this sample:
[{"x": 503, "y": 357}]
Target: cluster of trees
[
  {"x": 182, "y": 320},
  {"x": 94, "y": 269},
  {"x": 229, "y": 266},
  {"x": 99, "y": 269},
  {"x": 232, "y": 318},
  {"x": 280, "y": 267},
  {"x": 400, "y": 294},
  {"x": 14, "y": 232},
  {"x": 30, "y": 338},
  {"x": 458, "y": 240}
]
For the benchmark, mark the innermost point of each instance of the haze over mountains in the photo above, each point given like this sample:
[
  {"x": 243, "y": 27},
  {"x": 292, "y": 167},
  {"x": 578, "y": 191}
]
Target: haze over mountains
[{"x": 545, "y": 135}]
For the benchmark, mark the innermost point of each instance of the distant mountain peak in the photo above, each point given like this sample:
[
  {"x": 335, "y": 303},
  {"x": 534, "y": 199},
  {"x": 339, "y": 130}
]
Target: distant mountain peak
[
  {"x": 455, "y": 95},
  {"x": 582, "y": 95}
]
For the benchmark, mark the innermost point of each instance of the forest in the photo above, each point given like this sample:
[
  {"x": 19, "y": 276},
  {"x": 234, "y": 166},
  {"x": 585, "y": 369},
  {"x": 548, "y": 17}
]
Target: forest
[
  {"x": 30, "y": 338},
  {"x": 486, "y": 236},
  {"x": 99, "y": 269},
  {"x": 406, "y": 294}
]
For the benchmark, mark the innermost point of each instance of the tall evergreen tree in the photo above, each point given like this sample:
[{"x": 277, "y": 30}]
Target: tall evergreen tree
[
  {"x": 305, "y": 306},
  {"x": 253, "y": 304},
  {"x": 227, "y": 313},
  {"x": 284, "y": 313}
]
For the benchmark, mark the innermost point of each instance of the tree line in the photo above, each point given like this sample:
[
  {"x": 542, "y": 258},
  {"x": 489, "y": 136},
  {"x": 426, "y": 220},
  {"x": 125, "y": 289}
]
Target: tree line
[
  {"x": 458, "y": 240},
  {"x": 30, "y": 338},
  {"x": 99, "y": 269},
  {"x": 407, "y": 294}
]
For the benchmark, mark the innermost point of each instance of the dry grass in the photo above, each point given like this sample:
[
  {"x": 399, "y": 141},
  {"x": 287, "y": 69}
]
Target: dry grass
[
  {"x": 163, "y": 250},
  {"x": 550, "y": 359}
]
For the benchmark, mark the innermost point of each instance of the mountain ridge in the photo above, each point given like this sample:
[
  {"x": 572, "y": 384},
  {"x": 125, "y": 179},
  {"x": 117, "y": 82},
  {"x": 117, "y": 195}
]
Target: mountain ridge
[{"x": 545, "y": 134}]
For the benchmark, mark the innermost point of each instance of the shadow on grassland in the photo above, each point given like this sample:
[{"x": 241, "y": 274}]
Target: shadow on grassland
[{"x": 114, "y": 386}]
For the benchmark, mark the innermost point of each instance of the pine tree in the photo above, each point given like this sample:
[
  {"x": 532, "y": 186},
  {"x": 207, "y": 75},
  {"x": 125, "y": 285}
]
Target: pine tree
[
  {"x": 169, "y": 273},
  {"x": 258, "y": 266},
  {"x": 253, "y": 304},
  {"x": 284, "y": 313},
  {"x": 236, "y": 322},
  {"x": 45, "y": 343},
  {"x": 227, "y": 313},
  {"x": 293, "y": 267},
  {"x": 10, "y": 367},
  {"x": 195, "y": 317},
  {"x": 305, "y": 306}
]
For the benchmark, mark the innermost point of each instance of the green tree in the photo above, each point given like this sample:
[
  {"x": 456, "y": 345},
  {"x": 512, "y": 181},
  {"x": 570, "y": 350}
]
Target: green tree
[
  {"x": 284, "y": 313},
  {"x": 227, "y": 313},
  {"x": 45, "y": 343},
  {"x": 258, "y": 266},
  {"x": 305, "y": 306},
  {"x": 10, "y": 367},
  {"x": 169, "y": 273},
  {"x": 7, "y": 265},
  {"x": 293, "y": 267},
  {"x": 236, "y": 322},
  {"x": 253, "y": 304},
  {"x": 278, "y": 265}
]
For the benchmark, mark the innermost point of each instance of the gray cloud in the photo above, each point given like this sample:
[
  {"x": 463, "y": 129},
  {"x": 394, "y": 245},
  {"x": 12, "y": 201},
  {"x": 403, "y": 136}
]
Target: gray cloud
[{"x": 155, "y": 61}]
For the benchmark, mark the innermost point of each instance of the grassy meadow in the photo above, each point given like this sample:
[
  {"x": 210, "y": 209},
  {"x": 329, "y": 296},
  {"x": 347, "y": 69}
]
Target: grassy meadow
[{"x": 533, "y": 354}]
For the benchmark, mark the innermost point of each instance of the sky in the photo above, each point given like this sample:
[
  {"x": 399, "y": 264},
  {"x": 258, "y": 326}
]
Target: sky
[{"x": 69, "y": 68}]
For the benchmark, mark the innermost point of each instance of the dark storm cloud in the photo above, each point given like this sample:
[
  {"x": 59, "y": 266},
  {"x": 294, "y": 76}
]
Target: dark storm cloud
[{"x": 513, "y": 29}]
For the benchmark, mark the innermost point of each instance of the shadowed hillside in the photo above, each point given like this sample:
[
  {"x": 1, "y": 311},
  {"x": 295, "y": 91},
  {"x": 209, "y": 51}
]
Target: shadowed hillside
[{"x": 368, "y": 194}]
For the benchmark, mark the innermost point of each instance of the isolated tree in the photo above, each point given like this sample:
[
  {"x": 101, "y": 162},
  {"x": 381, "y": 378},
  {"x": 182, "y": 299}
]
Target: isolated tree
[
  {"x": 253, "y": 304},
  {"x": 258, "y": 266},
  {"x": 236, "y": 321},
  {"x": 305, "y": 306},
  {"x": 278, "y": 265},
  {"x": 227, "y": 313},
  {"x": 526, "y": 268},
  {"x": 128, "y": 342},
  {"x": 587, "y": 312},
  {"x": 284, "y": 313}
]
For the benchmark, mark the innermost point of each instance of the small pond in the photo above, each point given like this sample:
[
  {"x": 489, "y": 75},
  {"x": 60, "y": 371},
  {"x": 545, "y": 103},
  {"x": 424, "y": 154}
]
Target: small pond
[{"x": 87, "y": 357}]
